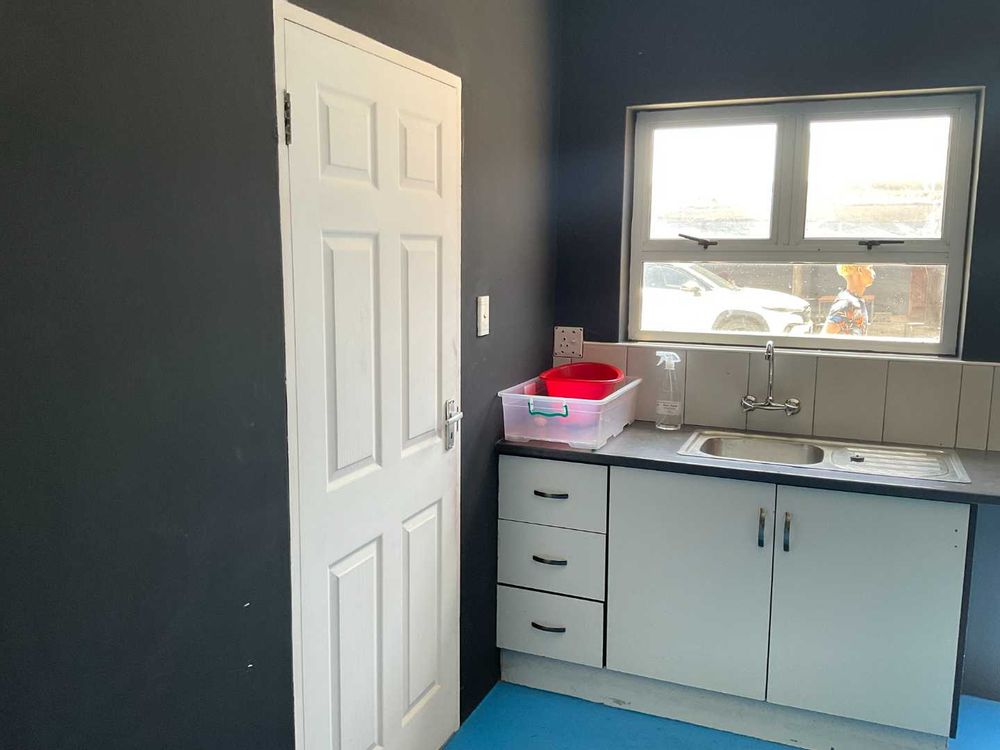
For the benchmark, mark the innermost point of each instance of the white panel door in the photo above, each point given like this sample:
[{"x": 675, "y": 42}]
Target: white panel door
[
  {"x": 689, "y": 579},
  {"x": 866, "y": 607},
  {"x": 373, "y": 169}
]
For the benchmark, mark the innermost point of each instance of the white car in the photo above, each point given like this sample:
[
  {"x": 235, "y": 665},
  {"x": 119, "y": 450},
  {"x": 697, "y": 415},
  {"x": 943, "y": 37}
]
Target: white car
[{"x": 689, "y": 297}]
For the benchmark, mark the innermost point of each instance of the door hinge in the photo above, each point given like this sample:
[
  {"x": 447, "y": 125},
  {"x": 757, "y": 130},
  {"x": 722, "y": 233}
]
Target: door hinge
[{"x": 288, "y": 118}]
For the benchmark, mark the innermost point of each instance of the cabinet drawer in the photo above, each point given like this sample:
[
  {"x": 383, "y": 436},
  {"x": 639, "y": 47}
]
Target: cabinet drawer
[
  {"x": 550, "y": 625},
  {"x": 554, "y": 493},
  {"x": 558, "y": 560}
]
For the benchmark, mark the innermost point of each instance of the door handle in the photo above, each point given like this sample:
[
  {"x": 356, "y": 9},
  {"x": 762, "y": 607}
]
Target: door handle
[
  {"x": 452, "y": 416},
  {"x": 549, "y": 560},
  {"x": 547, "y": 628},
  {"x": 760, "y": 527},
  {"x": 552, "y": 495},
  {"x": 788, "y": 531}
]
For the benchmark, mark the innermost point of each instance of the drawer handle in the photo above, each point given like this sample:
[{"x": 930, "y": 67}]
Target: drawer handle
[
  {"x": 549, "y": 560},
  {"x": 547, "y": 628},
  {"x": 760, "y": 527},
  {"x": 788, "y": 531},
  {"x": 552, "y": 495}
]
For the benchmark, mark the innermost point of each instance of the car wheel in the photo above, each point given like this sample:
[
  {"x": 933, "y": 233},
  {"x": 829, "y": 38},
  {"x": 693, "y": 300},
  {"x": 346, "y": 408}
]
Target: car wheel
[{"x": 740, "y": 321}]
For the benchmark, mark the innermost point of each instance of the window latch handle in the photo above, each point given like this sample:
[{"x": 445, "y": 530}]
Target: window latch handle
[
  {"x": 875, "y": 243},
  {"x": 703, "y": 242}
]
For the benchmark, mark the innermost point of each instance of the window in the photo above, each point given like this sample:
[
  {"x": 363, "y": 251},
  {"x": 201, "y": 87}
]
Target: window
[
  {"x": 836, "y": 224},
  {"x": 721, "y": 181}
]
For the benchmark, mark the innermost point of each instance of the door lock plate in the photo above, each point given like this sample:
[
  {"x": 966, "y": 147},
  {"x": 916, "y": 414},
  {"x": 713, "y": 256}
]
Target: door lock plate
[{"x": 452, "y": 416}]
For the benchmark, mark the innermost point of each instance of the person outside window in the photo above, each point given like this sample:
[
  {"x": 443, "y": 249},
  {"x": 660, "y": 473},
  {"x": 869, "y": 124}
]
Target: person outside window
[{"x": 849, "y": 313}]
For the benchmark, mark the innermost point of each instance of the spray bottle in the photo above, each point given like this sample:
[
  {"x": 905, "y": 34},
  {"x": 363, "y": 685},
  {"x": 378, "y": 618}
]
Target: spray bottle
[{"x": 669, "y": 407}]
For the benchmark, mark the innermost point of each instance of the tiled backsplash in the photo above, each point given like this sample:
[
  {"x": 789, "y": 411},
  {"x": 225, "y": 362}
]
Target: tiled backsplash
[{"x": 894, "y": 400}]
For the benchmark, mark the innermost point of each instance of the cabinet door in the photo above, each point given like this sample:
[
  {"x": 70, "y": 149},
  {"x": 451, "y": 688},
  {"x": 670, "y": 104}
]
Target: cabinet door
[
  {"x": 689, "y": 579},
  {"x": 866, "y": 607}
]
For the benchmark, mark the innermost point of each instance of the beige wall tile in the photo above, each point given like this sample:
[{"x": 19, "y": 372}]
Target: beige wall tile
[
  {"x": 642, "y": 363},
  {"x": 921, "y": 403},
  {"x": 974, "y": 407},
  {"x": 794, "y": 377},
  {"x": 610, "y": 354},
  {"x": 850, "y": 397},
  {"x": 993, "y": 443},
  {"x": 715, "y": 383}
]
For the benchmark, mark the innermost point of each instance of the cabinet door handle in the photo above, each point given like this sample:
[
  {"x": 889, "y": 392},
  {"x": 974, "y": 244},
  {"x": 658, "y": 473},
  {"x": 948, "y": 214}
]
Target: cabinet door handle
[
  {"x": 549, "y": 560},
  {"x": 552, "y": 495},
  {"x": 788, "y": 531},
  {"x": 547, "y": 628},
  {"x": 760, "y": 527}
]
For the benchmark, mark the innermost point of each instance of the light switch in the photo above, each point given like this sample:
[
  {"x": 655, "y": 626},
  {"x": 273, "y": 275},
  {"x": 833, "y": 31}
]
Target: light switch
[{"x": 483, "y": 316}]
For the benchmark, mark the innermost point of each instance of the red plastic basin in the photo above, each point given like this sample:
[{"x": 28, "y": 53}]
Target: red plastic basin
[{"x": 591, "y": 380}]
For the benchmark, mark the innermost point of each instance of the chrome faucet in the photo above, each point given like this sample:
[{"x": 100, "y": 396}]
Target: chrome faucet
[{"x": 751, "y": 403}]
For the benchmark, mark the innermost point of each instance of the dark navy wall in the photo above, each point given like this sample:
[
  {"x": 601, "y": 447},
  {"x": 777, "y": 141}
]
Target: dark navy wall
[
  {"x": 616, "y": 54},
  {"x": 144, "y": 556},
  {"x": 982, "y": 665},
  {"x": 143, "y": 489},
  {"x": 647, "y": 51}
]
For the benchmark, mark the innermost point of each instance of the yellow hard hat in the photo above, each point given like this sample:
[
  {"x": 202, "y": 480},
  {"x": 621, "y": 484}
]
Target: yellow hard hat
[{"x": 846, "y": 269}]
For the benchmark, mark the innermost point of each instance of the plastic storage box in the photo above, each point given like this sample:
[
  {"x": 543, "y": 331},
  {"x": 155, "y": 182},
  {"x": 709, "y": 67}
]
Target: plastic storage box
[{"x": 530, "y": 414}]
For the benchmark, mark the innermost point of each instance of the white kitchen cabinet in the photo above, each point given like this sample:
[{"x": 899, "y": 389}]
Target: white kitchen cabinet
[
  {"x": 859, "y": 619},
  {"x": 867, "y": 605},
  {"x": 551, "y": 559},
  {"x": 689, "y": 579}
]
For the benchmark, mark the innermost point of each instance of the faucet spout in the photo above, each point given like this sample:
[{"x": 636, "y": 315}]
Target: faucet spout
[
  {"x": 769, "y": 356},
  {"x": 751, "y": 403}
]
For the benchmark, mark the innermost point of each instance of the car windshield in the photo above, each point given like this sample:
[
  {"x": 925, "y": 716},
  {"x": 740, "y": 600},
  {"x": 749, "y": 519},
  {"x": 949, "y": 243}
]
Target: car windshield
[{"x": 713, "y": 277}]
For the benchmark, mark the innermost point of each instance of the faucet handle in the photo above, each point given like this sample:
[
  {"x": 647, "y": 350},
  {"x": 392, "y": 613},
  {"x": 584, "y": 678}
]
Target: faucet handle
[
  {"x": 792, "y": 406},
  {"x": 748, "y": 403}
]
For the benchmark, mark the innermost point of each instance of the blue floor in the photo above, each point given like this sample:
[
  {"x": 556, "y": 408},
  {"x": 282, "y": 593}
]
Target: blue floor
[{"x": 519, "y": 718}]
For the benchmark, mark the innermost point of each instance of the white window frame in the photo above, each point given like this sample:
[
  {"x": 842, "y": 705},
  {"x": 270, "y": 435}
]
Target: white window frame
[{"x": 787, "y": 243}]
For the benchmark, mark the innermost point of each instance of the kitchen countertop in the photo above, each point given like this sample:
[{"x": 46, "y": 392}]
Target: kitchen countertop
[{"x": 642, "y": 446}]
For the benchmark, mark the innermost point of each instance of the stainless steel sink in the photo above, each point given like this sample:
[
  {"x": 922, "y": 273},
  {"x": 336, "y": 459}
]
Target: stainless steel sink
[
  {"x": 756, "y": 448},
  {"x": 856, "y": 458}
]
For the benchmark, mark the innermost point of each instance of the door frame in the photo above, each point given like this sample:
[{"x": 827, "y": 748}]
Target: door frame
[{"x": 285, "y": 11}]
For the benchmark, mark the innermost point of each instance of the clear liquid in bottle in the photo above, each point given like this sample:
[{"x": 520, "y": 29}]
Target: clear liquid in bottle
[{"x": 669, "y": 399}]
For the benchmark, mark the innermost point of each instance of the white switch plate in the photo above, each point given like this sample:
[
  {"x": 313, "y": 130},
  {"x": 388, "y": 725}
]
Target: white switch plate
[
  {"x": 568, "y": 342},
  {"x": 483, "y": 316}
]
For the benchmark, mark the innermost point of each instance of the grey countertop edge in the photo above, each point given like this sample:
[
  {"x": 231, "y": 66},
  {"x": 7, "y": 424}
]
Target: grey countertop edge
[{"x": 642, "y": 446}]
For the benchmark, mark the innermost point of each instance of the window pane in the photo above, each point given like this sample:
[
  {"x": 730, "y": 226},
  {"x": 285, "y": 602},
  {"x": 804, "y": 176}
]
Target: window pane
[
  {"x": 713, "y": 182},
  {"x": 883, "y": 302},
  {"x": 877, "y": 178}
]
